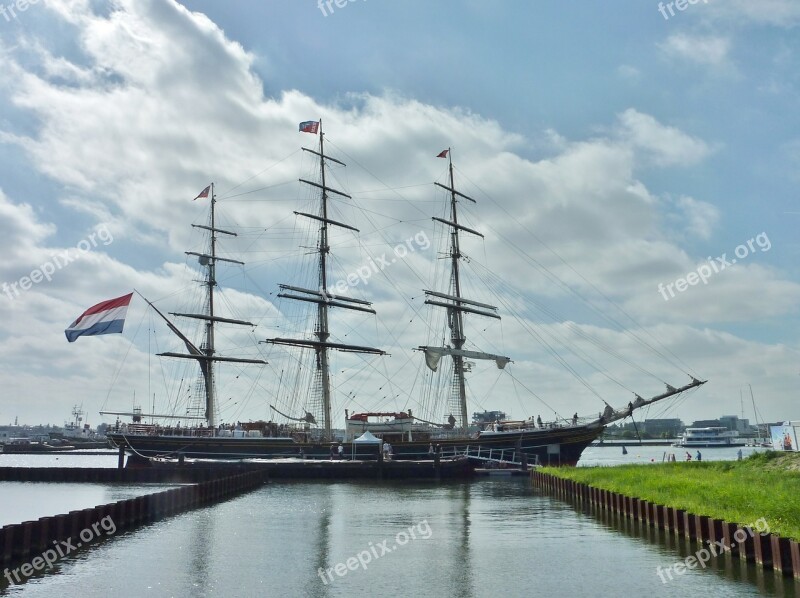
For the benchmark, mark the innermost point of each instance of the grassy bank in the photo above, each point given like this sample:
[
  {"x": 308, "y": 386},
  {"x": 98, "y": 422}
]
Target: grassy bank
[{"x": 764, "y": 485}]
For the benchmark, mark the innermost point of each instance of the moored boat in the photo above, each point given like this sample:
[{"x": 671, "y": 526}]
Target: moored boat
[
  {"x": 78, "y": 434},
  {"x": 26, "y": 446},
  {"x": 711, "y": 437}
]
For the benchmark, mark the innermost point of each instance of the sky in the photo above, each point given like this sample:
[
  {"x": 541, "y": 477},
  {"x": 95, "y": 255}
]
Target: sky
[{"x": 635, "y": 168}]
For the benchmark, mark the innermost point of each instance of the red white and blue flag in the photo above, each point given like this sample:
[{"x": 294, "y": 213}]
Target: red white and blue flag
[
  {"x": 442, "y": 154},
  {"x": 203, "y": 193},
  {"x": 309, "y": 126},
  {"x": 107, "y": 317}
]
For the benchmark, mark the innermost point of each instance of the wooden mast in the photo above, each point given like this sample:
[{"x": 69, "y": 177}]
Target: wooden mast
[
  {"x": 455, "y": 315},
  {"x": 206, "y": 356},
  {"x": 323, "y": 333},
  {"x": 457, "y": 305},
  {"x": 323, "y": 298},
  {"x": 212, "y": 282}
]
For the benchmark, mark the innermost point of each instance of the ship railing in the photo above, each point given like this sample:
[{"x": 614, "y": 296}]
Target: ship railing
[
  {"x": 156, "y": 430},
  {"x": 490, "y": 455}
]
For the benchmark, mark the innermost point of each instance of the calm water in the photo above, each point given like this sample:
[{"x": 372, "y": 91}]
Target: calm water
[
  {"x": 612, "y": 455},
  {"x": 490, "y": 537},
  {"x": 107, "y": 460},
  {"x": 25, "y": 501},
  {"x": 485, "y": 538}
]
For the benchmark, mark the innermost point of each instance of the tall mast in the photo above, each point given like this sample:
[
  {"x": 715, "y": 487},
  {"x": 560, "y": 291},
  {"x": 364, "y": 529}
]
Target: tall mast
[
  {"x": 456, "y": 306},
  {"x": 322, "y": 308},
  {"x": 456, "y": 317},
  {"x": 205, "y": 355},
  {"x": 323, "y": 298},
  {"x": 755, "y": 413},
  {"x": 212, "y": 282}
]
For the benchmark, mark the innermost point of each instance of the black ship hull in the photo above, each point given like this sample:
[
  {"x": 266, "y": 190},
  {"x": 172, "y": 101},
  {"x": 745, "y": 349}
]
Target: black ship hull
[{"x": 556, "y": 446}]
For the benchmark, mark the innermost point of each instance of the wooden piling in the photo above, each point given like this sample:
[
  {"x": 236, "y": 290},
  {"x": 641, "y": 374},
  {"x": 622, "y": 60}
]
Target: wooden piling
[{"x": 766, "y": 550}]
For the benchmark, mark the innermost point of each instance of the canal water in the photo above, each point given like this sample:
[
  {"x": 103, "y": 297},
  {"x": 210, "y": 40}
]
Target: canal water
[
  {"x": 494, "y": 537},
  {"x": 490, "y": 537},
  {"x": 26, "y": 501}
]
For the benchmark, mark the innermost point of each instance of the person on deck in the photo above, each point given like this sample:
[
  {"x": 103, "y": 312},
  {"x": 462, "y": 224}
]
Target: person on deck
[
  {"x": 688, "y": 456},
  {"x": 699, "y": 457},
  {"x": 341, "y": 451}
]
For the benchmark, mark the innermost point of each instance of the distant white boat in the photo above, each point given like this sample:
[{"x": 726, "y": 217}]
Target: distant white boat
[{"x": 709, "y": 438}]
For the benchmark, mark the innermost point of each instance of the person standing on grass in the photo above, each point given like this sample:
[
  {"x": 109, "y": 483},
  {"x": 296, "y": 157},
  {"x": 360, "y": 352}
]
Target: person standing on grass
[{"x": 699, "y": 457}]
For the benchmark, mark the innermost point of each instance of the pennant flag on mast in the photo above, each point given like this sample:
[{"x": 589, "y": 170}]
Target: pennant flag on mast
[
  {"x": 107, "y": 317},
  {"x": 443, "y": 153},
  {"x": 309, "y": 126},
  {"x": 203, "y": 193}
]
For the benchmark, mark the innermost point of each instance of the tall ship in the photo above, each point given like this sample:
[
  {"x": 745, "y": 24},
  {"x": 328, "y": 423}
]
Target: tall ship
[{"x": 307, "y": 427}]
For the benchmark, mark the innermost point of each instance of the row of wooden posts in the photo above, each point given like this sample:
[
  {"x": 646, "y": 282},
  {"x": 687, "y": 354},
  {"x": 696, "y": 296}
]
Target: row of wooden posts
[
  {"x": 765, "y": 549},
  {"x": 26, "y": 541}
]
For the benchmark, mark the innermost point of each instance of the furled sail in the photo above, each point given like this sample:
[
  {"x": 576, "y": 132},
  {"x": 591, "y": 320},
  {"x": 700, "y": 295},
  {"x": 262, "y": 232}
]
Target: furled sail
[{"x": 434, "y": 354}]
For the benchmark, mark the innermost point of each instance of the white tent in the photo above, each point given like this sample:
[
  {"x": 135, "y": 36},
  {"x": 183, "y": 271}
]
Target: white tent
[{"x": 367, "y": 438}]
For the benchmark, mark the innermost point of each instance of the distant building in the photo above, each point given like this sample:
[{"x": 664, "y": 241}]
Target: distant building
[
  {"x": 732, "y": 422},
  {"x": 729, "y": 422},
  {"x": 707, "y": 423},
  {"x": 659, "y": 427}
]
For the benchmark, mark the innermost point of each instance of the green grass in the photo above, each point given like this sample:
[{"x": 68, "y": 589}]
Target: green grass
[{"x": 764, "y": 485}]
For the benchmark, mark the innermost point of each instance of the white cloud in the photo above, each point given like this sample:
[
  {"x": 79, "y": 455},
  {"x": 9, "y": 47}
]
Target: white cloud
[
  {"x": 668, "y": 146},
  {"x": 709, "y": 50},
  {"x": 785, "y": 13},
  {"x": 699, "y": 217},
  {"x": 160, "y": 102}
]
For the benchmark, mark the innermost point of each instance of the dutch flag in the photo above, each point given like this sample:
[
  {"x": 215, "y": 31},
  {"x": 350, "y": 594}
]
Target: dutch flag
[{"x": 104, "y": 318}]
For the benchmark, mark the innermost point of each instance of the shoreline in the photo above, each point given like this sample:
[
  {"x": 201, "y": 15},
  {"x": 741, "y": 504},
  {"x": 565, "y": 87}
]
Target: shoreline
[{"x": 762, "y": 486}]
